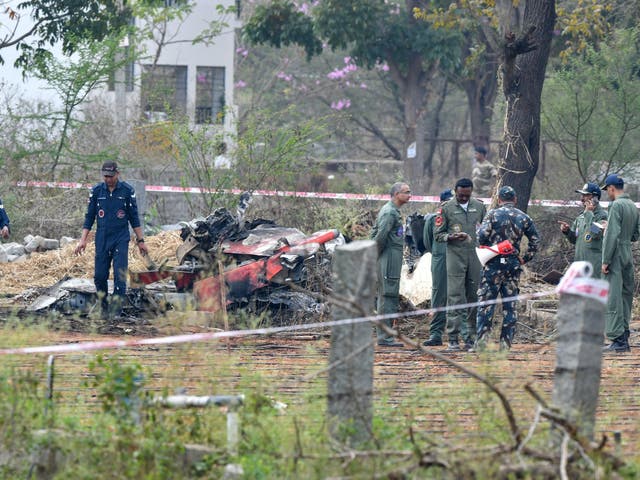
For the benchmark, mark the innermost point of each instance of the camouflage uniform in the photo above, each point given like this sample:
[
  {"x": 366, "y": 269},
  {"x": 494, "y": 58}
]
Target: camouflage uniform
[
  {"x": 463, "y": 266},
  {"x": 388, "y": 233},
  {"x": 501, "y": 274},
  {"x": 484, "y": 177},
  {"x": 588, "y": 238},
  {"x": 622, "y": 229},
  {"x": 438, "y": 276}
]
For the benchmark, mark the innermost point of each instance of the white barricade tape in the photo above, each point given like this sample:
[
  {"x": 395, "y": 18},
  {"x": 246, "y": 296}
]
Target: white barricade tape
[
  {"x": 279, "y": 193},
  {"x": 200, "y": 337}
]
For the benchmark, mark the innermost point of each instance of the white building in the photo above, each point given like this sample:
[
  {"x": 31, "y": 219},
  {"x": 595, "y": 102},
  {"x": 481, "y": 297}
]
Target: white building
[{"x": 180, "y": 77}]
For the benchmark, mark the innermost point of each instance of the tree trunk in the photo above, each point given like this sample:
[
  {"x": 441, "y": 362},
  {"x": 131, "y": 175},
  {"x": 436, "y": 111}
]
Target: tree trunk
[
  {"x": 525, "y": 62},
  {"x": 481, "y": 95},
  {"x": 414, "y": 98},
  {"x": 412, "y": 85},
  {"x": 434, "y": 131}
]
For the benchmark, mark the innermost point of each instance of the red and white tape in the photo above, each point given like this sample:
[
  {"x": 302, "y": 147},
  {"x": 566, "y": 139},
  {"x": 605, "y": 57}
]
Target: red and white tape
[
  {"x": 286, "y": 193},
  {"x": 577, "y": 281}
]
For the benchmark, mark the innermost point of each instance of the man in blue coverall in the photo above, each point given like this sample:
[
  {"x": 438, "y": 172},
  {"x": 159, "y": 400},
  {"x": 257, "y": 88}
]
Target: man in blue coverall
[
  {"x": 113, "y": 205},
  {"x": 4, "y": 222}
]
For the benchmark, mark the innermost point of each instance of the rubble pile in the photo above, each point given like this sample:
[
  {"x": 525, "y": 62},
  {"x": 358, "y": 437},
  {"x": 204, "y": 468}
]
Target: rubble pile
[{"x": 19, "y": 252}]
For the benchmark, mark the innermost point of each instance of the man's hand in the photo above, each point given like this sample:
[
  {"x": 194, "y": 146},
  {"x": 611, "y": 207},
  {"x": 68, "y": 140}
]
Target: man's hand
[
  {"x": 564, "y": 226},
  {"x": 82, "y": 244},
  {"x": 143, "y": 248},
  {"x": 456, "y": 237},
  {"x": 590, "y": 205},
  {"x": 605, "y": 268},
  {"x": 4, "y": 232}
]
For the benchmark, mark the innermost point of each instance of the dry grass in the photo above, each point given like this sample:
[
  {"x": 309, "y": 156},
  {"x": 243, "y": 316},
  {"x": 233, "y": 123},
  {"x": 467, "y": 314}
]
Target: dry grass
[{"x": 46, "y": 268}]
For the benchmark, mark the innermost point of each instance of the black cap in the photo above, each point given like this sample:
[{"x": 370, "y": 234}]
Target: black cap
[{"x": 109, "y": 169}]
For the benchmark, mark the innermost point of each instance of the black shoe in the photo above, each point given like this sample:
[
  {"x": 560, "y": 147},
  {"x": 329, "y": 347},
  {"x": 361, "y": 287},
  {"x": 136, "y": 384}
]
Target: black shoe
[
  {"x": 432, "y": 342},
  {"x": 390, "y": 344},
  {"x": 616, "y": 347},
  {"x": 468, "y": 346},
  {"x": 453, "y": 347}
]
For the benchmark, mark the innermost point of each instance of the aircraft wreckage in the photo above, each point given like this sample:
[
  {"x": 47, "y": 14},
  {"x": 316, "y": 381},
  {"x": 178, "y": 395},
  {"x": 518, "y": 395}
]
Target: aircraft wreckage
[{"x": 224, "y": 262}]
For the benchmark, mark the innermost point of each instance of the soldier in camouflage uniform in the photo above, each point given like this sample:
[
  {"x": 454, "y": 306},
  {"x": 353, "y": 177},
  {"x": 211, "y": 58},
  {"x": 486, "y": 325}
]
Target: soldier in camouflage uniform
[
  {"x": 438, "y": 273},
  {"x": 456, "y": 226},
  {"x": 484, "y": 173},
  {"x": 501, "y": 274},
  {"x": 623, "y": 227},
  {"x": 388, "y": 233},
  {"x": 586, "y": 236}
]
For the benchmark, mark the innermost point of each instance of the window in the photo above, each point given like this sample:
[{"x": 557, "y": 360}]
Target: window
[
  {"x": 163, "y": 91},
  {"x": 209, "y": 95}
]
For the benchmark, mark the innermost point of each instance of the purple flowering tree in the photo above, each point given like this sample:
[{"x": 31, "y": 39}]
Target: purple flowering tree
[{"x": 377, "y": 35}]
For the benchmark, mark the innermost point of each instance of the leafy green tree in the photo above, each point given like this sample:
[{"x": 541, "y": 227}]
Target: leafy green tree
[
  {"x": 374, "y": 33},
  {"x": 490, "y": 50},
  {"x": 73, "y": 80},
  {"x": 591, "y": 106},
  {"x": 34, "y": 26}
]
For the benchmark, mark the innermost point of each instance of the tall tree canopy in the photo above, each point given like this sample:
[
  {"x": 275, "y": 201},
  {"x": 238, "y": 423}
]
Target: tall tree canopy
[
  {"x": 373, "y": 32},
  {"x": 591, "y": 107},
  {"x": 33, "y": 26}
]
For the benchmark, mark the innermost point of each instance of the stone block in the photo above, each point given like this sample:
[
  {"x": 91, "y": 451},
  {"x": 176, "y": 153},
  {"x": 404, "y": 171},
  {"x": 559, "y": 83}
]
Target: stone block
[
  {"x": 49, "y": 244},
  {"x": 34, "y": 244}
]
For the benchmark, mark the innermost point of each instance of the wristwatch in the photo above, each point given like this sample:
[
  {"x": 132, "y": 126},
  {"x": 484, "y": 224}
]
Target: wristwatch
[{"x": 140, "y": 240}]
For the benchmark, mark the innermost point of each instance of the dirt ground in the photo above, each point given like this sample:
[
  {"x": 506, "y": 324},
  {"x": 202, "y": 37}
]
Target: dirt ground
[
  {"x": 295, "y": 364},
  {"x": 292, "y": 366}
]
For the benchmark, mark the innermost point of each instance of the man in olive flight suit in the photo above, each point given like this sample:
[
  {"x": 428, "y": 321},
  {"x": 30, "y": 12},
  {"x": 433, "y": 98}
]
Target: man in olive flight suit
[
  {"x": 438, "y": 273},
  {"x": 456, "y": 225},
  {"x": 623, "y": 227},
  {"x": 583, "y": 233},
  {"x": 388, "y": 233}
]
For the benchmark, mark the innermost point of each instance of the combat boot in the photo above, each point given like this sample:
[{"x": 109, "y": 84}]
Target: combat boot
[
  {"x": 481, "y": 343},
  {"x": 432, "y": 342},
  {"x": 505, "y": 344},
  {"x": 453, "y": 347},
  {"x": 619, "y": 345}
]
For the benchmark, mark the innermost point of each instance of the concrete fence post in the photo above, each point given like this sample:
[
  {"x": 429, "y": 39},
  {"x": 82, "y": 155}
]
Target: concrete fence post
[
  {"x": 580, "y": 323},
  {"x": 351, "y": 356}
]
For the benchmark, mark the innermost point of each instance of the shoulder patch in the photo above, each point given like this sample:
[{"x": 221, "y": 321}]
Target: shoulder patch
[{"x": 439, "y": 219}]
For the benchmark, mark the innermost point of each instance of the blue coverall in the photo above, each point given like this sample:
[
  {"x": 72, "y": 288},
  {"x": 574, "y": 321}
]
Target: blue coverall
[
  {"x": 113, "y": 211},
  {"x": 4, "y": 218}
]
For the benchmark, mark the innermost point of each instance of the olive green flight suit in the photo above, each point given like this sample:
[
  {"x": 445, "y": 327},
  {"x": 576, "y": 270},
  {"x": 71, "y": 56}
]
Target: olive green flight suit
[
  {"x": 588, "y": 239},
  {"x": 438, "y": 276},
  {"x": 463, "y": 267},
  {"x": 623, "y": 227},
  {"x": 388, "y": 233}
]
